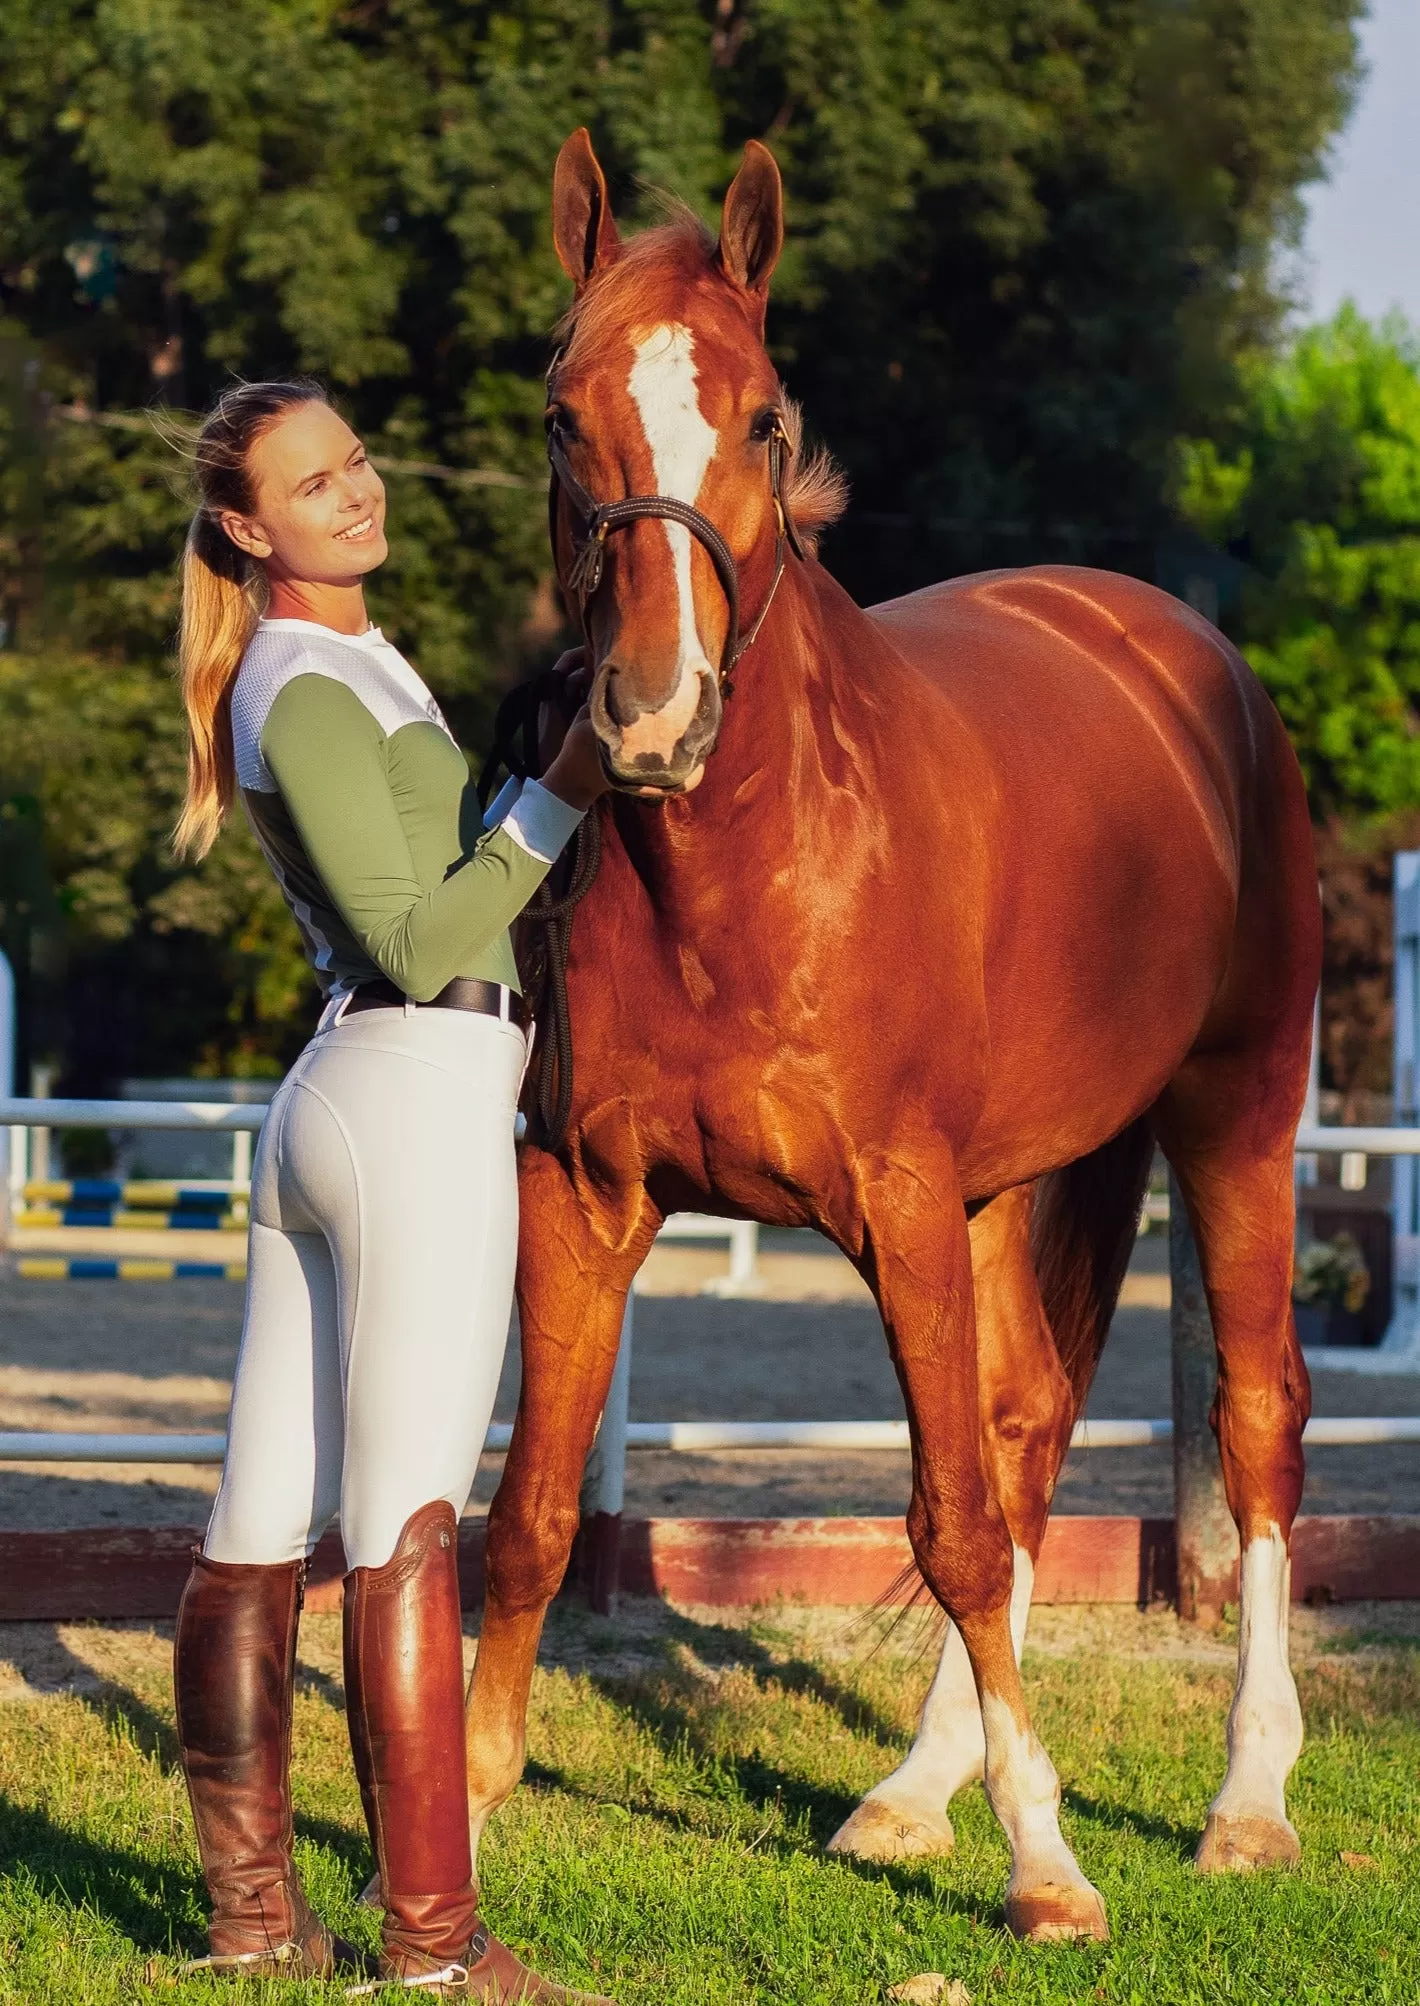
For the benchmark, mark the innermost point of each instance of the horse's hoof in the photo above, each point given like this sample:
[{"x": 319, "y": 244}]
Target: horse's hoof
[
  {"x": 1055, "y": 1913},
  {"x": 372, "y": 1894},
  {"x": 878, "y": 1830},
  {"x": 1237, "y": 1845}
]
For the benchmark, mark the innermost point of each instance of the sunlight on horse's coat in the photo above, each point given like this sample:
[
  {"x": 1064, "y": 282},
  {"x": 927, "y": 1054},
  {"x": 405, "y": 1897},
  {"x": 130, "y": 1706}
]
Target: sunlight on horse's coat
[{"x": 663, "y": 387}]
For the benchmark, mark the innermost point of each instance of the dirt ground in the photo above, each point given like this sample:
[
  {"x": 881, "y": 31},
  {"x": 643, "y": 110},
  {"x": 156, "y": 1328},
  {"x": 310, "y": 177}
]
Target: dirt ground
[{"x": 158, "y": 1356}]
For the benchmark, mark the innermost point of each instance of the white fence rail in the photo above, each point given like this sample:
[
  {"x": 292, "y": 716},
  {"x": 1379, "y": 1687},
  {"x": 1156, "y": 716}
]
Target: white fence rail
[
  {"x": 618, "y": 1432},
  {"x": 1344, "y": 1431}
]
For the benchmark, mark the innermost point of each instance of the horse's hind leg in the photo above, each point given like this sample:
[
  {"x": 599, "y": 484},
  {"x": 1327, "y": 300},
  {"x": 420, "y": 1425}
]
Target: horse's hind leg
[
  {"x": 1026, "y": 1416},
  {"x": 1234, "y": 1165}
]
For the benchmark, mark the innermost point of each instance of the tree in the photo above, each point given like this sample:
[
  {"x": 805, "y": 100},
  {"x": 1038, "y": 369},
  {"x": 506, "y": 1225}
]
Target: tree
[
  {"x": 1028, "y": 245},
  {"x": 1316, "y": 483}
]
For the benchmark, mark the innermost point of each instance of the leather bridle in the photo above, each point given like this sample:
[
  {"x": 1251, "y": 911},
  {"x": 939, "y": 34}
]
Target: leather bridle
[
  {"x": 599, "y": 520},
  {"x": 551, "y": 910}
]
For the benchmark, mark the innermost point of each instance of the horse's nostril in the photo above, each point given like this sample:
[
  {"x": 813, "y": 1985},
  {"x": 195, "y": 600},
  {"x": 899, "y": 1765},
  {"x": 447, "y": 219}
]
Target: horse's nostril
[{"x": 621, "y": 708}]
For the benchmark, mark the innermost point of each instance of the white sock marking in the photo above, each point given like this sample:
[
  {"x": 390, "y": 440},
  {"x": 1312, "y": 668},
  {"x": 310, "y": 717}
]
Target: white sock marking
[
  {"x": 1265, "y": 1724},
  {"x": 1024, "y": 1792},
  {"x": 949, "y": 1749},
  {"x": 662, "y": 385}
]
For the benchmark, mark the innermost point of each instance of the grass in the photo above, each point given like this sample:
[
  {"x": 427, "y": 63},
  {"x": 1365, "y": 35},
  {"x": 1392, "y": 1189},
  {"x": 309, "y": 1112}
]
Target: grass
[{"x": 668, "y": 1844}]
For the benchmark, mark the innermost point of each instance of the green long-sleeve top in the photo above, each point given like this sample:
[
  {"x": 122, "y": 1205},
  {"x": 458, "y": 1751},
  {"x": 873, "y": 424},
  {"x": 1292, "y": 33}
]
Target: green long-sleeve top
[{"x": 365, "y": 809}]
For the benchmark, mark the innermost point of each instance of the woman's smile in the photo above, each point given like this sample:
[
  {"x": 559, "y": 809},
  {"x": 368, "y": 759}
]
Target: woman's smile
[{"x": 357, "y": 531}]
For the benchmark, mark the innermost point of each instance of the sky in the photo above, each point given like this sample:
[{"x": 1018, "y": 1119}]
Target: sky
[{"x": 1363, "y": 228}]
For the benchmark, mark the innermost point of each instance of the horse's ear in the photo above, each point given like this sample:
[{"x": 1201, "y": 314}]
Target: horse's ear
[
  {"x": 752, "y": 227},
  {"x": 582, "y": 226}
]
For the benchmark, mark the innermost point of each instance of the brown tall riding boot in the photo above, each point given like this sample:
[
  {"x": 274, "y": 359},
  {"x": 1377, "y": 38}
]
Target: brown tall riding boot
[
  {"x": 404, "y": 1694},
  {"x": 234, "y": 1669}
]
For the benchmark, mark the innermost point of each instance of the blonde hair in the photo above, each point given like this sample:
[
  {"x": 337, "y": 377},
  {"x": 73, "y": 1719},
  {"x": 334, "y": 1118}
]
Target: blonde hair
[{"x": 223, "y": 596}]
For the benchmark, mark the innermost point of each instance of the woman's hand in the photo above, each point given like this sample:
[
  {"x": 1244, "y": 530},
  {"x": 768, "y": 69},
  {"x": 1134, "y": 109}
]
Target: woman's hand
[
  {"x": 575, "y": 775},
  {"x": 555, "y": 717}
]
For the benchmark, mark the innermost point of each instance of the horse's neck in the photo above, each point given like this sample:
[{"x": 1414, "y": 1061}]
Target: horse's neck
[{"x": 794, "y": 698}]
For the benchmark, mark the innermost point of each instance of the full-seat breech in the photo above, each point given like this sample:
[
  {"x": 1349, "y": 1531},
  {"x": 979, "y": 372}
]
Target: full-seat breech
[{"x": 576, "y": 1263}]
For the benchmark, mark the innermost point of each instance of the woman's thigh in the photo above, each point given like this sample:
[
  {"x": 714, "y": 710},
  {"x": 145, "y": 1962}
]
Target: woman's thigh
[
  {"x": 425, "y": 1243},
  {"x": 281, "y": 1479}
]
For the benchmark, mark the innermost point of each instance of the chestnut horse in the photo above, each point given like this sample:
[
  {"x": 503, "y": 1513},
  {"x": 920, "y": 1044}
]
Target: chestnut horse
[{"x": 981, "y": 892}]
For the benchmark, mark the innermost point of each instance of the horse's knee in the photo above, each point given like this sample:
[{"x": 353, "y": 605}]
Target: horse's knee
[{"x": 529, "y": 1545}]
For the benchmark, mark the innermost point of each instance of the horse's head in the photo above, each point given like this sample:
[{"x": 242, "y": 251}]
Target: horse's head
[{"x": 662, "y": 392}]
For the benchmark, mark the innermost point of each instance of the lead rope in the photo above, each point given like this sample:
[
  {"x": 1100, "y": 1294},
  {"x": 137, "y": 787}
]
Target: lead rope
[{"x": 550, "y": 909}]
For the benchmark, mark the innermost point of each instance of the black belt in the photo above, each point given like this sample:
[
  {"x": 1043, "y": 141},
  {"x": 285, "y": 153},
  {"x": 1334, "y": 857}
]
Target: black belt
[{"x": 465, "y": 992}]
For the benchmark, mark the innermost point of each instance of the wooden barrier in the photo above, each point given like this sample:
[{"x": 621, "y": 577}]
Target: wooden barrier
[{"x": 137, "y": 1572}]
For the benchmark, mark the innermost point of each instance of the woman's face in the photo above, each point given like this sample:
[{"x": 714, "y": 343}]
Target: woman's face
[{"x": 318, "y": 510}]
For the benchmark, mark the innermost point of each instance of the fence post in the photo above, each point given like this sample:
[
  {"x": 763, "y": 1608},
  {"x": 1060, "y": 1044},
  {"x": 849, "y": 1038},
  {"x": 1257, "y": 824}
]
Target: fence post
[
  {"x": 1405, "y": 1173},
  {"x": 596, "y": 1559},
  {"x": 7, "y": 1088},
  {"x": 1206, "y": 1538}
]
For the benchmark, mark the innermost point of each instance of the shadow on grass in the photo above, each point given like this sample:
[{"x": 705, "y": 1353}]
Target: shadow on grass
[
  {"x": 109, "y": 1699},
  {"x": 351, "y": 1848},
  {"x": 904, "y": 1877},
  {"x": 666, "y": 1700},
  {"x": 673, "y": 1722},
  {"x": 1134, "y": 1823},
  {"x": 153, "y": 1904},
  {"x": 722, "y": 1643}
]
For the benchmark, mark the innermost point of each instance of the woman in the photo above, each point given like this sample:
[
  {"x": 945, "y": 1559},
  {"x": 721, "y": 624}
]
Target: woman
[{"x": 384, "y": 1198}]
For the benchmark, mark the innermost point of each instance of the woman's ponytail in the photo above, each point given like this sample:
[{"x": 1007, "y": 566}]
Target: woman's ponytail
[
  {"x": 221, "y": 604},
  {"x": 223, "y": 594}
]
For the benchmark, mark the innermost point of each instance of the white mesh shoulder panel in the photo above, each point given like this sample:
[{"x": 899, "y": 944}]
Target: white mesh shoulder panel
[{"x": 379, "y": 676}]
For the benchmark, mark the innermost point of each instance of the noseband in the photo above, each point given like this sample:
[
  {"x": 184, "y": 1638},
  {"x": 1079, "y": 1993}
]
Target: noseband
[{"x": 599, "y": 520}]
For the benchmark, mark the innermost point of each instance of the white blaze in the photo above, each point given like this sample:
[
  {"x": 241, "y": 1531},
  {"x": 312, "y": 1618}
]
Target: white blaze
[{"x": 662, "y": 385}]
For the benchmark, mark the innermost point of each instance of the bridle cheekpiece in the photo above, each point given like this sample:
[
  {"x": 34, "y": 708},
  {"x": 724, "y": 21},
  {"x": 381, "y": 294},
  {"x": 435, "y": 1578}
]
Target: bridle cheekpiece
[{"x": 599, "y": 520}]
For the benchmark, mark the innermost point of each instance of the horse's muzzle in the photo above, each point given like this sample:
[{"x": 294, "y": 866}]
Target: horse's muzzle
[{"x": 659, "y": 746}]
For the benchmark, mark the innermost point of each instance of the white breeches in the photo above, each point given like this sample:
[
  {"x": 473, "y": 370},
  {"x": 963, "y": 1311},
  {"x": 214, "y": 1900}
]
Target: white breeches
[{"x": 383, "y": 1240}]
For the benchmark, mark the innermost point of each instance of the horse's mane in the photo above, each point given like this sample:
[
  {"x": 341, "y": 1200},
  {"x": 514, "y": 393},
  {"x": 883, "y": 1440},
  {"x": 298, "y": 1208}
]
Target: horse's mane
[
  {"x": 629, "y": 290},
  {"x": 815, "y": 486}
]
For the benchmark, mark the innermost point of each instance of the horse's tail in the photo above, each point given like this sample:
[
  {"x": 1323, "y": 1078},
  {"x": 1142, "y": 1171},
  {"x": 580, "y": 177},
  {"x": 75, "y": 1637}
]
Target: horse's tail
[{"x": 1083, "y": 1228}]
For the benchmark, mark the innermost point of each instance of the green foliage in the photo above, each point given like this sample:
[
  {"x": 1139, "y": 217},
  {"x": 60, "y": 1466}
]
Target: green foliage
[
  {"x": 1028, "y": 242},
  {"x": 1318, "y": 485}
]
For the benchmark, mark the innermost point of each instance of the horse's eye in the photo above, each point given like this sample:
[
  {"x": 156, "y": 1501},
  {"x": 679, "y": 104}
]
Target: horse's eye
[
  {"x": 560, "y": 423},
  {"x": 765, "y": 425}
]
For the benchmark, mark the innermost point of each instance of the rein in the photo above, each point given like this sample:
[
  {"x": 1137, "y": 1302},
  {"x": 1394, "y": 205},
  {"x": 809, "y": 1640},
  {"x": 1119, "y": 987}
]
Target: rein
[{"x": 551, "y": 907}]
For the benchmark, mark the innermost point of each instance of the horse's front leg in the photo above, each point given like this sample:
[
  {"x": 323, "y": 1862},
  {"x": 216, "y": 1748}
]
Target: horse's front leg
[
  {"x": 1026, "y": 1417},
  {"x": 918, "y": 1257},
  {"x": 575, "y": 1265}
]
